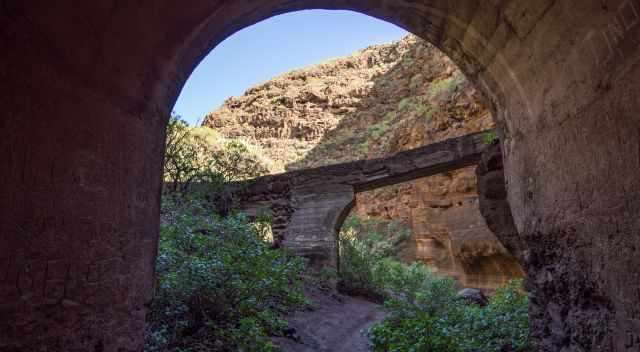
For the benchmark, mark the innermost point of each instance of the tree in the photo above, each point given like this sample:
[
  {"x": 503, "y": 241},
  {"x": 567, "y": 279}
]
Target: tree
[
  {"x": 189, "y": 159},
  {"x": 182, "y": 153},
  {"x": 235, "y": 162}
]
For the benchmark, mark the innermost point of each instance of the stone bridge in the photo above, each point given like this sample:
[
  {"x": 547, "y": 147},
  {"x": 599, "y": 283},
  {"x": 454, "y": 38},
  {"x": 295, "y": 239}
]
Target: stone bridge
[{"x": 308, "y": 206}]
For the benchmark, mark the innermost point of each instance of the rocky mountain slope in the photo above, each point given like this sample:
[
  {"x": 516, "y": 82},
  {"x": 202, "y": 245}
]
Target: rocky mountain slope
[{"x": 374, "y": 103}]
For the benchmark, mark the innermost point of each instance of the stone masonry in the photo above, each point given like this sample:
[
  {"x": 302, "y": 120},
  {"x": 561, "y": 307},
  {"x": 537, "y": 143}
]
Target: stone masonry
[{"x": 308, "y": 206}]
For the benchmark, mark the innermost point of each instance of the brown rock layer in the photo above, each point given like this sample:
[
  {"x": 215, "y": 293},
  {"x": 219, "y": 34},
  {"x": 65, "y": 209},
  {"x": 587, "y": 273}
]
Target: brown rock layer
[{"x": 448, "y": 231}]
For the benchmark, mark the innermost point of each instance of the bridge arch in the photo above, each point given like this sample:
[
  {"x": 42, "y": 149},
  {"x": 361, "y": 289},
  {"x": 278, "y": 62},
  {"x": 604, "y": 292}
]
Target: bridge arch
[
  {"x": 87, "y": 90},
  {"x": 308, "y": 206}
]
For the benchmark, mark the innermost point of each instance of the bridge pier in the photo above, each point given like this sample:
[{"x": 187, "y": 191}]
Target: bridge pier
[
  {"x": 316, "y": 220},
  {"x": 306, "y": 220}
]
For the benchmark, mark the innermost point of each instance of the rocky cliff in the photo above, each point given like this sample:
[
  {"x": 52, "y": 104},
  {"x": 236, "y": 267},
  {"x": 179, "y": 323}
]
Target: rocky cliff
[{"x": 374, "y": 103}]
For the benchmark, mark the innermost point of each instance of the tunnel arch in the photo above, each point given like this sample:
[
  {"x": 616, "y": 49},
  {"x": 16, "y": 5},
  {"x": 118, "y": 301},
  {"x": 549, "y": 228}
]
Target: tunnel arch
[{"x": 88, "y": 90}]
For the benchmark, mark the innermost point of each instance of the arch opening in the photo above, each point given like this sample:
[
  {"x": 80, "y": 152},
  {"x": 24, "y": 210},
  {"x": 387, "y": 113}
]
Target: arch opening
[{"x": 441, "y": 93}]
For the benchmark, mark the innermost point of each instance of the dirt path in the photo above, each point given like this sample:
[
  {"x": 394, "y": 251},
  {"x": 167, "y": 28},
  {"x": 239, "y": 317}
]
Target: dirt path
[{"x": 334, "y": 324}]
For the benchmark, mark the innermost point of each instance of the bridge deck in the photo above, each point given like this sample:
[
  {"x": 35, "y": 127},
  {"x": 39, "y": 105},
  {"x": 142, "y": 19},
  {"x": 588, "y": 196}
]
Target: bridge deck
[{"x": 363, "y": 175}]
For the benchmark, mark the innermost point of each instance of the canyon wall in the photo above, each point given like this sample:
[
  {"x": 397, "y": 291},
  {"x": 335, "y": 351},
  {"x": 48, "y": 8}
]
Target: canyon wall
[{"x": 374, "y": 103}]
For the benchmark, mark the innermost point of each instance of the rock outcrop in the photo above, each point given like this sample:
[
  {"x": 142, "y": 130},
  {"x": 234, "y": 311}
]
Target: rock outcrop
[
  {"x": 448, "y": 231},
  {"x": 377, "y": 102},
  {"x": 473, "y": 296},
  {"x": 373, "y": 103}
]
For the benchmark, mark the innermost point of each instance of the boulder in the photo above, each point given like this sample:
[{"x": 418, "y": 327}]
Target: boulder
[{"x": 473, "y": 296}]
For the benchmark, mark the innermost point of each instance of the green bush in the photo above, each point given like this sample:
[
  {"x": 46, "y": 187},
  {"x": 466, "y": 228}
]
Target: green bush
[
  {"x": 377, "y": 130},
  {"x": 489, "y": 137},
  {"x": 425, "y": 312},
  {"x": 426, "y": 111},
  {"x": 426, "y": 315},
  {"x": 182, "y": 162},
  {"x": 219, "y": 285},
  {"x": 193, "y": 156},
  {"x": 447, "y": 84},
  {"x": 364, "y": 146},
  {"x": 407, "y": 62},
  {"x": 504, "y": 322},
  {"x": 404, "y": 104},
  {"x": 364, "y": 245}
]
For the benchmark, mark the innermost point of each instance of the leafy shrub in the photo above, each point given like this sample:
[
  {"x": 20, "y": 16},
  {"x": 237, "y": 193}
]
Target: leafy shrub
[
  {"x": 446, "y": 85},
  {"x": 426, "y": 315},
  {"x": 408, "y": 62},
  {"x": 364, "y": 146},
  {"x": 503, "y": 323},
  {"x": 234, "y": 162},
  {"x": 489, "y": 137},
  {"x": 426, "y": 111},
  {"x": 219, "y": 285},
  {"x": 378, "y": 129},
  {"x": 404, "y": 104},
  {"x": 364, "y": 245},
  {"x": 390, "y": 116},
  {"x": 425, "y": 312},
  {"x": 191, "y": 157},
  {"x": 182, "y": 162}
]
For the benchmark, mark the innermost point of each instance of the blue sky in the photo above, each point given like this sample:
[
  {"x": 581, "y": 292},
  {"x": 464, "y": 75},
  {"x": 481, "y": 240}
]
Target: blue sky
[{"x": 273, "y": 47}]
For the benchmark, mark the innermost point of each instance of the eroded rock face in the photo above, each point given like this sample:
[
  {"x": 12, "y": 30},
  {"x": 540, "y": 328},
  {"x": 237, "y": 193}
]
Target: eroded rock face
[
  {"x": 373, "y": 103},
  {"x": 290, "y": 115},
  {"x": 449, "y": 232}
]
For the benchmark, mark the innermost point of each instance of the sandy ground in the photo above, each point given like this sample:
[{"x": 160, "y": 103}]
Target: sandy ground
[{"x": 334, "y": 323}]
